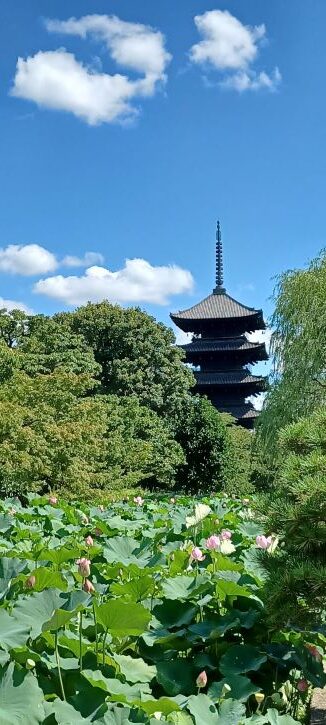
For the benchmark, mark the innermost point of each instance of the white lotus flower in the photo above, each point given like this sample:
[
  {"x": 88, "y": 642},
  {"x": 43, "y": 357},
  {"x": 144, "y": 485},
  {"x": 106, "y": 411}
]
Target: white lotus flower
[
  {"x": 201, "y": 511},
  {"x": 227, "y": 547}
]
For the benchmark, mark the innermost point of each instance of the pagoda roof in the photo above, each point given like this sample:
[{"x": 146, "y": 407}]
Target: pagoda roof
[
  {"x": 233, "y": 377},
  {"x": 241, "y": 412},
  {"x": 219, "y": 306},
  {"x": 224, "y": 344}
]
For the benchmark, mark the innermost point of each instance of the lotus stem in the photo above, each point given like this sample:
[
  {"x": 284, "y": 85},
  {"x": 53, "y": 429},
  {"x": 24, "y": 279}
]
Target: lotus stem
[{"x": 57, "y": 657}]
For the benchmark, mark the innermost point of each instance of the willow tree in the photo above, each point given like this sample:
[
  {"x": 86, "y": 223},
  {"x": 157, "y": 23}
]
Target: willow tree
[{"x": 298, "y": 384}]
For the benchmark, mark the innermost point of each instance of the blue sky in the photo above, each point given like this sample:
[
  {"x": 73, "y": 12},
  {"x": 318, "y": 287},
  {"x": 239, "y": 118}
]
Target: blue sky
[{"x": 206, "y": 128}]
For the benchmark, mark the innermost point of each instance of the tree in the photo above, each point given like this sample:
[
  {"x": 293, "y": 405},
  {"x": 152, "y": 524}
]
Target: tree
[
  {"x": 13, "y": 326},
  {"x": 202, "y": 434},
  {"x": 51, "y": 436},
  {"x": 296, "y": 510},
  {"x": 55, "y": 436},
  {"x": 299, "y": 349},
  {"x": 51, "y": 344},
  {"x": 137, "y": 355},
  {"x": 141, "y": 447}
]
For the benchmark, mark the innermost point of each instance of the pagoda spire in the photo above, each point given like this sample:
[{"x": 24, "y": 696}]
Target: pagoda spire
[{"x": 219, "y": 289}]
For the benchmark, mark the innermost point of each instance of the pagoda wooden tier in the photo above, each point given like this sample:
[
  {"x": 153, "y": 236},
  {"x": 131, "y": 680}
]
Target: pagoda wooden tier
[{"x": 220, "y": 349}]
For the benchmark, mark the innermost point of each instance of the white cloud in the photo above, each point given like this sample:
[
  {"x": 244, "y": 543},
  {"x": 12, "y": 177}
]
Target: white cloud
[
  {"x": 87, "y": 260},
  {"x": 14, "y": 305},
  {"x": 181, "y": 337},
  {"x": 28, "y": 259},
  {"x": 261, "y": 336},
  {"x": 231, "y": 47},
  {"x": 137, "y": 282},
  {"x": 257, "y": 400},
  {"x": 57, "y": 80},
  {"x": 252, "y": 81}
]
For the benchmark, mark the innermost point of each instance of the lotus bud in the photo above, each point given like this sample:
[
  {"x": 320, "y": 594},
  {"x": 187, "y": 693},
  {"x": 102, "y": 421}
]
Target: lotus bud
[
  {"x": 84, "y": 566},
  {"x": 31, "y": 581},
  {"x": 172, "y": 500},
  {"x": 89, "y": 540},
  {"x": 53, "y": 500},
  {"x": 226, "y": 534},
  {"x": 213, "y": 542},
  {"x": 314, "y": 651},
  {"x": 246, "y": 501},
  {"x": 263, "y": 542},
  {"x": 302, "y": 685},
  {"x": 88, "y": 587},
  {"x": 259, "y": 697},
  {"x": 29, "y": 664},
  {"x": 138, "y": 500},
  {"x": 197, "y": 554},
  {"x": 201, "y": 679}
]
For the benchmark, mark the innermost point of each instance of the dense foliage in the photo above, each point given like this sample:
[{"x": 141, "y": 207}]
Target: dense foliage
[
  {"x": 142, "y": 612},
  {"x": 297, "y": 511},
  {"x": 97, "y": 401},
  {"x": 299, "y": 350}
]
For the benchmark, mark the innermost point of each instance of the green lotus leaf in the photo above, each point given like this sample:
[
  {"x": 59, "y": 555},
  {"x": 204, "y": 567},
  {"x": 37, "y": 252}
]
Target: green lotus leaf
[
  {"x": 135, "y": 669},
  {"x": 177, "y": 676},
  {"x": 231, "y": 712},
  {"x": 12, "y": 632},
  {"x": 21, "y": 699},
  {"x": 122, "y": 618},
  {"x": 241, "y": 688},
  {"x": 241, "y": 658},
  {"x": 185, "y": 587},
  {"x": 203, "y": 710},
  {"x": 46, "y": 578}
]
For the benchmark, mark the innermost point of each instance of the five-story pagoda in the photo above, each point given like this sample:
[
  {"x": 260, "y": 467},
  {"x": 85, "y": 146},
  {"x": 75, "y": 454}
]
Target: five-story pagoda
[{"x": 220, "y": 350}]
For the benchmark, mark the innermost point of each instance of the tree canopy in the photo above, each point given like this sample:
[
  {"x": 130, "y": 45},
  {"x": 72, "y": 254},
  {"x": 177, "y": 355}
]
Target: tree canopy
[
  {"x": 298, "y": 347},
  {"x": 99, "y": 400}
]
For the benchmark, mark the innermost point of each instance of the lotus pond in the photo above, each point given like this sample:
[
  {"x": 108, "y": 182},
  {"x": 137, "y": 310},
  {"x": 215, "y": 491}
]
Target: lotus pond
[{"x": 142, "y": 612}]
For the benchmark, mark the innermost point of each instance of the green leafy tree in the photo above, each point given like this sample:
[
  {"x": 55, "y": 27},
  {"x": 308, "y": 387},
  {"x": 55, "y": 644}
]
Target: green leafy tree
[
  {"x": 203, "y": 436},
  {"x": 51, "y": 436},
  {"x": 13, "y": 326},
  {"x": 296, "y": 591},
  {"x": 299, "y": 350},
  {"x": 136, "y": 354},
  {"x": 141, "y": 447}
]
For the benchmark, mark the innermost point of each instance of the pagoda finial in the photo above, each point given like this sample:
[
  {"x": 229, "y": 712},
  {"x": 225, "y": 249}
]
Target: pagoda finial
[{"x": 219, "y": 261}]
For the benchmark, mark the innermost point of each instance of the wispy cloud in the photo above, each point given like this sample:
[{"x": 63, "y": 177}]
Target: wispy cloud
[
  {"x": 57, "y": 80},
  {"x": 231, "y": 48},
  {"x": 138, "y": 281}
]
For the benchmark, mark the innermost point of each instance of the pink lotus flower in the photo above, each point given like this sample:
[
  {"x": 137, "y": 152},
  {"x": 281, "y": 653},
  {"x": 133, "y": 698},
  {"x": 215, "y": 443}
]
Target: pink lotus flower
[
  {"x": 201, "y": 680},
  {"x": 302, "y": 685},
  {"x": 314, "y": 651},
  {"x": 226, "y": 534},
  {"x": 53, "y": 500},
  {"x": 138, "y": 500},
  {"x": 84, "y": 566},
  {"x": 197, "y": 554},
  {"x": 89, "y": 540},
  {"x": 88, "y": 587},
  {"x": 213, "y": 542},
  {"x": 264, "y": 542},
  {"x": 30, "y": 581}
]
